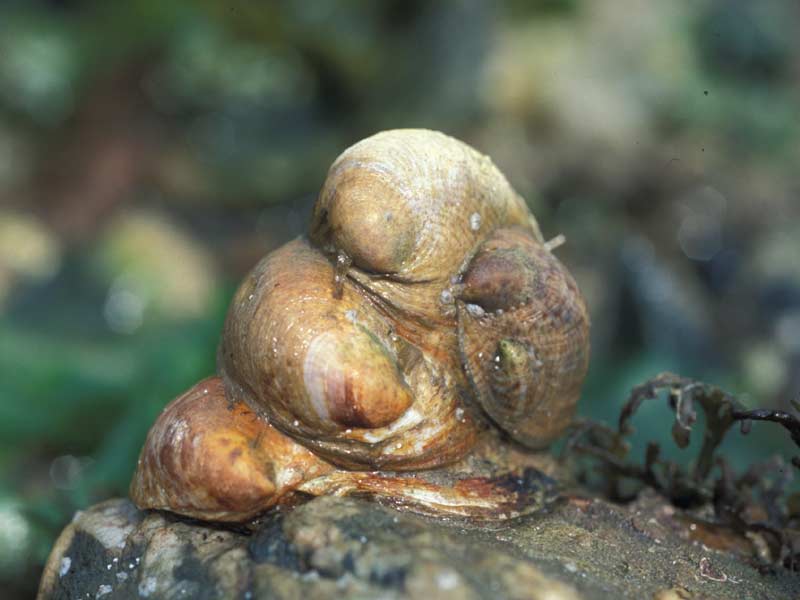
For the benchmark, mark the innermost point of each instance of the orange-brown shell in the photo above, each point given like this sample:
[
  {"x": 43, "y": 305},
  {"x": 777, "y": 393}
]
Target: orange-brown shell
[
  {"x": 209, "y": 458},
  {"x": 423, "y": 311},
  {"x": 336, "y": 373},
  {"x": 375, "y": 364},
  {"x": 409, "y": 206},
  {"x": 524, "y": 336}
]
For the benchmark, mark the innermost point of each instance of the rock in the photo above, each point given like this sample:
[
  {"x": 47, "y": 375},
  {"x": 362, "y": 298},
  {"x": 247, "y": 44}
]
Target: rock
[{"x": 582, "y": 548}]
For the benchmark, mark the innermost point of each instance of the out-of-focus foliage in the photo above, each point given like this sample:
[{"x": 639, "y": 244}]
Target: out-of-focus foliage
[{"x": 151, "y": 152}]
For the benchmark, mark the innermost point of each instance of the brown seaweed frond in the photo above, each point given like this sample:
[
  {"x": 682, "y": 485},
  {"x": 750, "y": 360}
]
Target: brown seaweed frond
[{"x": 752, "y": 502}]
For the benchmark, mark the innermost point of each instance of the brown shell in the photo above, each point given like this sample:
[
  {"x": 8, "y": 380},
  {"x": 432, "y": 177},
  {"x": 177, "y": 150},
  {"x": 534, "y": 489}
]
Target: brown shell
[
  {"x": 208, "y": 458},
  {"x": 325, "y": 354},
  {"x": 410, "y": 206},
  {"x": 524, "y": 336},
  {"x": 423, "y": 310},
  {"x": 336, "y": 373}
]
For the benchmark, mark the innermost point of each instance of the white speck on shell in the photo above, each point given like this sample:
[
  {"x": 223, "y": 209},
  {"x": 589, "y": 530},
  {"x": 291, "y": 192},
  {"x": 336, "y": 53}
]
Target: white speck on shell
[
  {"x": 66, "y": 563},
  {"x": 475, "y": 221}
]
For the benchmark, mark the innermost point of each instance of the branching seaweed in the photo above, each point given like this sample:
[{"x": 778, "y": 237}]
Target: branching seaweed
[{"x": 750, "y": 503}]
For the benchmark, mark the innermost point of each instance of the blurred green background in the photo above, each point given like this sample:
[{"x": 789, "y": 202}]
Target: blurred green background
[{"x": 151, "y": 152}]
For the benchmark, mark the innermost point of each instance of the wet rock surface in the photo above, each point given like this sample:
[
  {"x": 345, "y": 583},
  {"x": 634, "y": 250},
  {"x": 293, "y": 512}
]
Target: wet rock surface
[{"x": 335, "y": 547}]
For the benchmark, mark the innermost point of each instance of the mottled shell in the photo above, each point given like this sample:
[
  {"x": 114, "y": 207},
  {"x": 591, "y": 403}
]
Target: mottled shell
[
  {"x": 410, "y": 206},
  {"x": 375, "y": 364},
  {"x": 209, "y": 458},
  {"x": 423, "y": 312},
  {"x": 524, "y": 336},
  {"x": 336, "y": 373}
]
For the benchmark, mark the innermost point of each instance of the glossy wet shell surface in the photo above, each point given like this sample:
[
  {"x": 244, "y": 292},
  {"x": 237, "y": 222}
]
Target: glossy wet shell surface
[
  {"x": 335, "y": 373},
  {"x": 376, "y": 342},
  {"x": 524, "y": 340},
  {"x": 413, "y": 203},
  {"x": 209, "y": 458},
  {"x": 410, "y": 206},
  {"x": 423, "y": 316}
]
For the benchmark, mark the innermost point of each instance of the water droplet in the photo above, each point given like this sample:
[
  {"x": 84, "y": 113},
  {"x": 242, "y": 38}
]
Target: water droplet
[
  {"x": 475, "y": 221},
  {"x": 343, "y": 263},
  {"x": 66, "y": 563}
]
